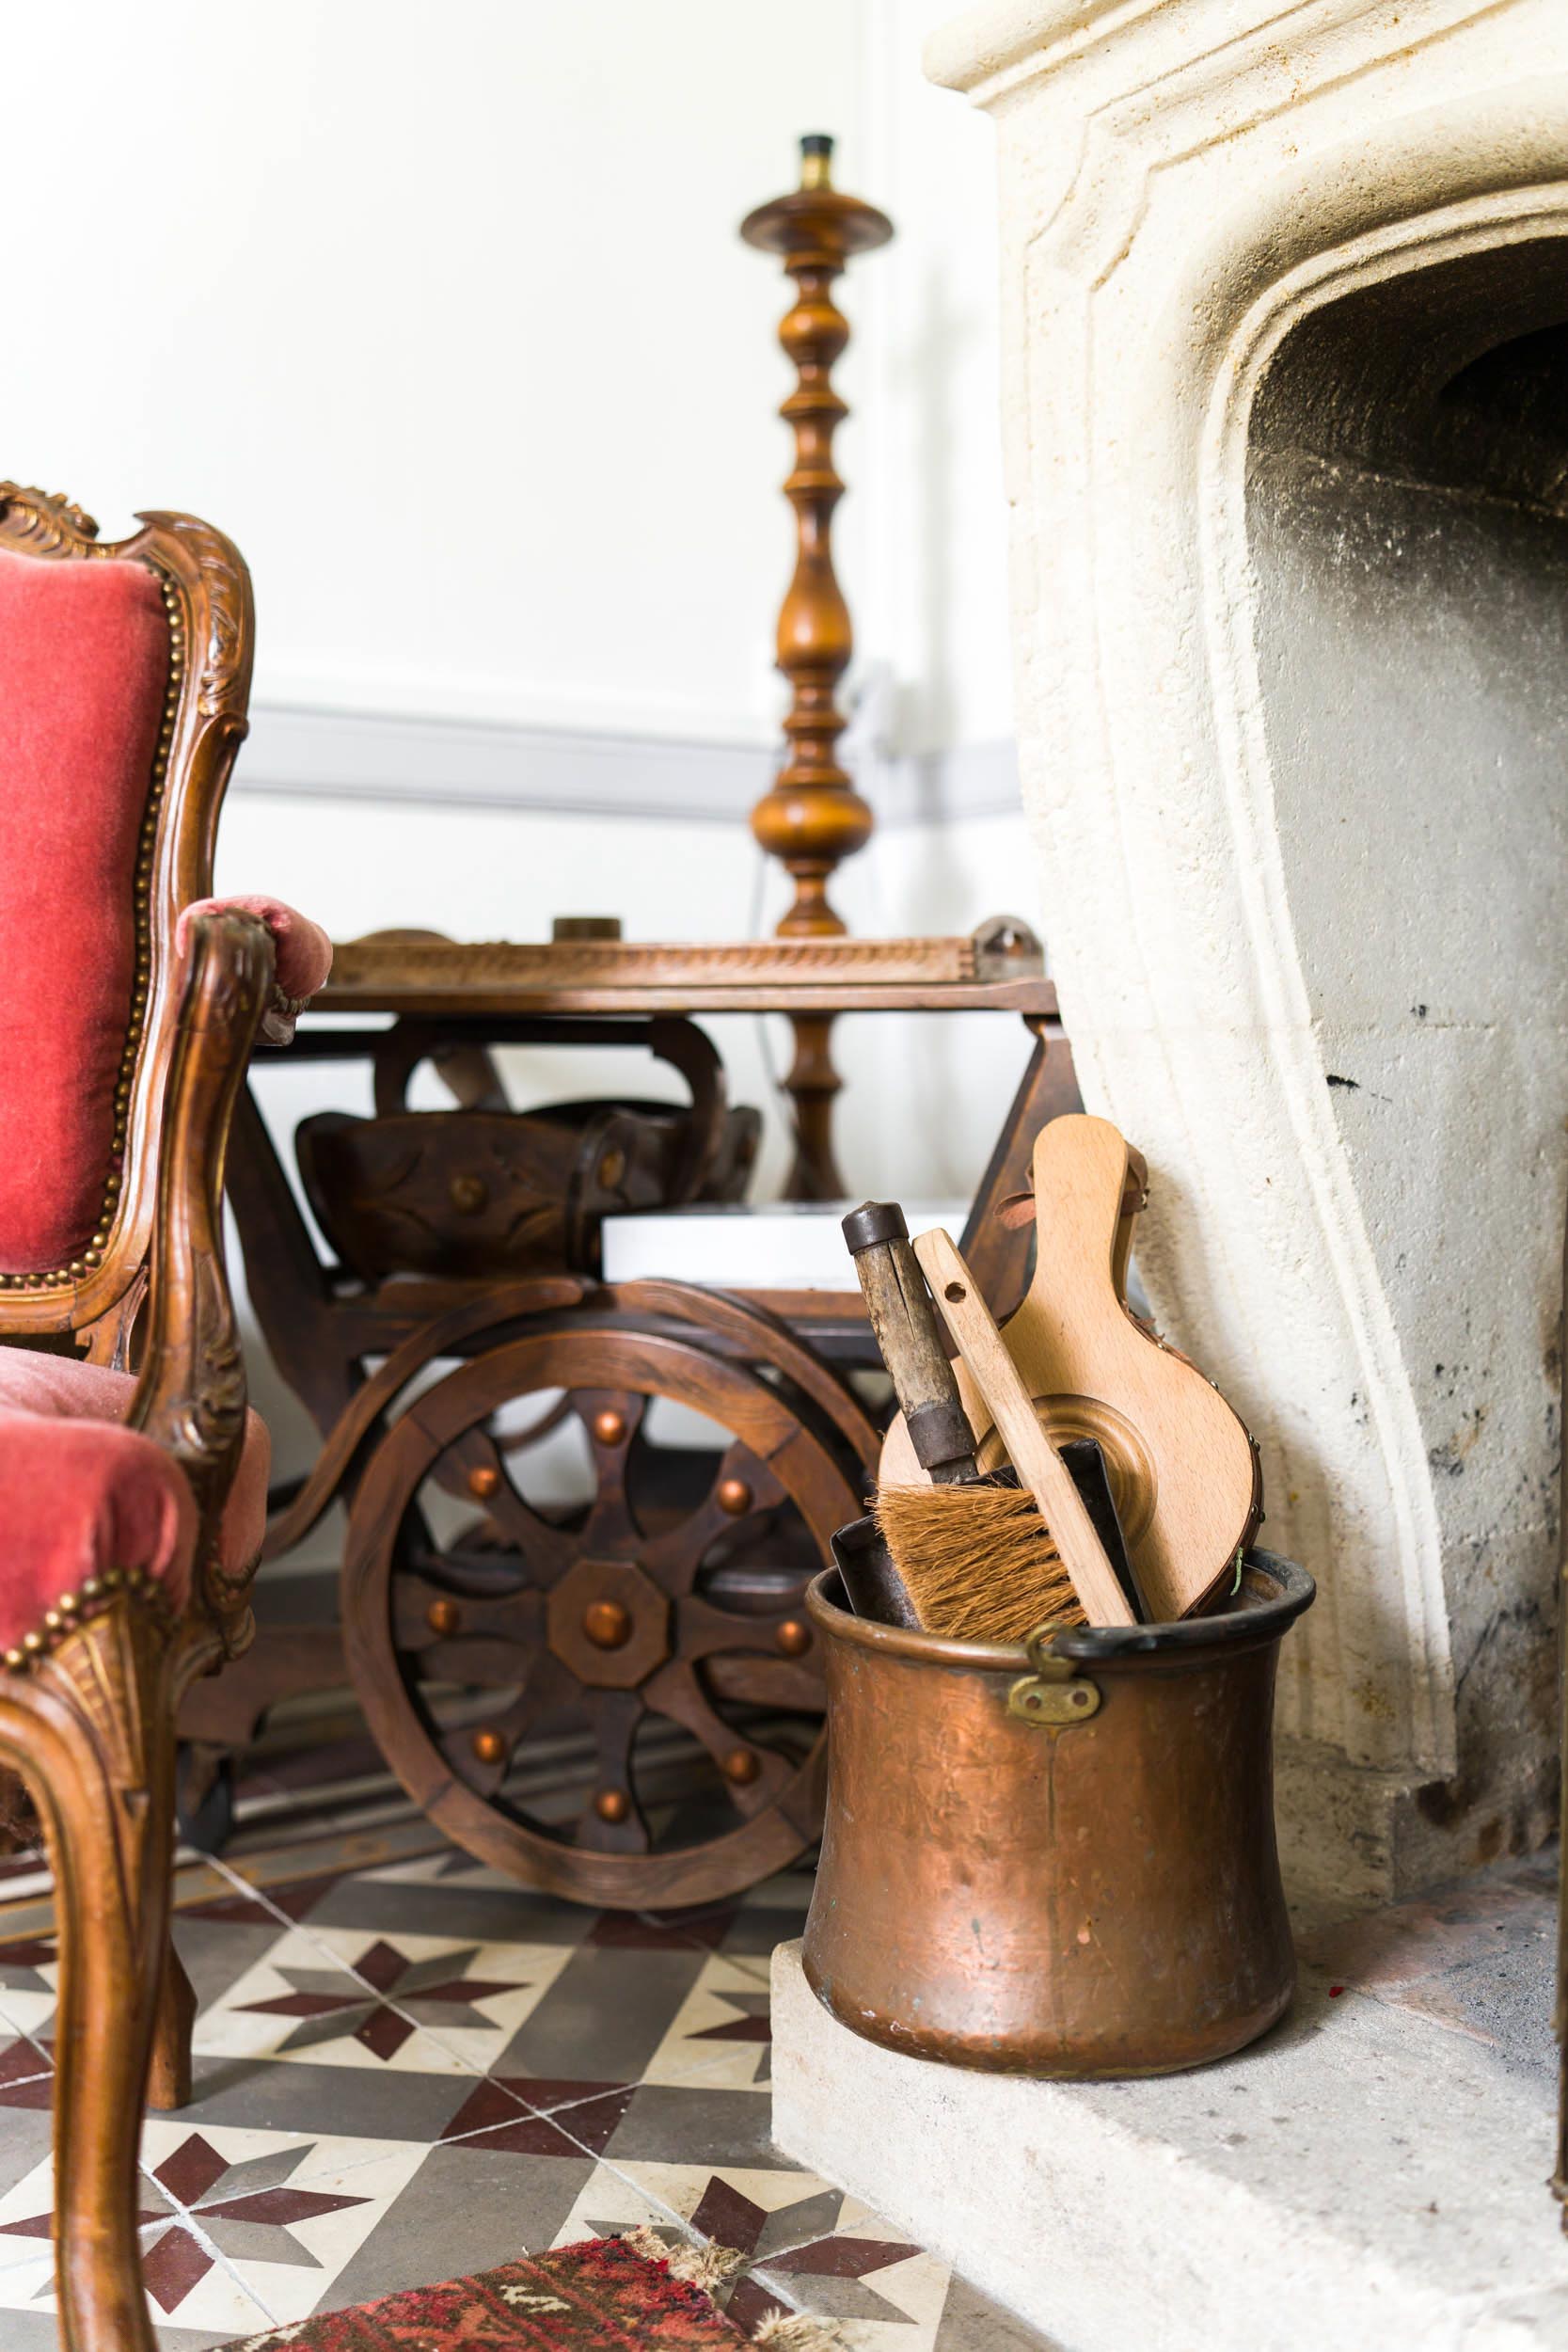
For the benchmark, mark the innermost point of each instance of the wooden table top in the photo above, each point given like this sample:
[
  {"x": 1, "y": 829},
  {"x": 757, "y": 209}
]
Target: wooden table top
[{"x": 500, "y": 978}]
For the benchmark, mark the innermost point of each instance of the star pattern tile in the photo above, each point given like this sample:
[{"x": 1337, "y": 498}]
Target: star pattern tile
[
  {"x": 722, "y": 2030},
  {"x": 327, "y": 2009},
  {"x": 343, "y": 1998}
]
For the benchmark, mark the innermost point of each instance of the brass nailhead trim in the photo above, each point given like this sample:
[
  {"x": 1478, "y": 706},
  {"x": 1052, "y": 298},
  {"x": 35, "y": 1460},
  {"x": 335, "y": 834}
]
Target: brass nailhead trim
[
  {"x": 72, "y": 1607},
  {"x": 62, "y": 1278}
]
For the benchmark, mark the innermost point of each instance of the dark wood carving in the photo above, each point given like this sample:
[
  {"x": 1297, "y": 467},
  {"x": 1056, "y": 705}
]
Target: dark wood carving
[
  {"x": 191, "y": 1394},
  {"x": 88, "y": 1701},
  {"x": 813, "y": 817},
  {"x": 490, "y": 1193}
]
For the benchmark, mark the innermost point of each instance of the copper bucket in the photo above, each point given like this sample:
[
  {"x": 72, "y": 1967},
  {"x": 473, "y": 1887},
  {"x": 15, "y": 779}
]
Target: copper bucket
[{"x": 1054, "y": 1861}]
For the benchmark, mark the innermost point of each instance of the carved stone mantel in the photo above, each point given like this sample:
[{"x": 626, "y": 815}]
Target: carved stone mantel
[{"x": 1287, "y": 437}]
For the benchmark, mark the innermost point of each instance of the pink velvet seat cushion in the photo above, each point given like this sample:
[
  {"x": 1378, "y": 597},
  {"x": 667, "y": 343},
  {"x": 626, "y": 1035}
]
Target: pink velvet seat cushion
[
  {"x": 98, "y": 1501},
  {"x": 78, "y": 1497},
  {"x": 84, "y": 666}
]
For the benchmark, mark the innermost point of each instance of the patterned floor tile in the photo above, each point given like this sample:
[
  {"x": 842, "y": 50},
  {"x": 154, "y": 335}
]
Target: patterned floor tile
[
  {"x": 345, "y": 1996},
  {"x": 29, "y": 1975},
  {"x": 756, "y": 2210},
  {"x": 472, "y": 1901},
  {"x": 449, "y": 1865},
  {"x": 242, "y": 1903},
  {"x": 692, "y": 2123},
  {"x": 467, "y": 2208},
  {"x": 218, "y": 1952},
  {"x": 242, "y": 2222},
  {"x": 806, "y": 2247},
  {"x": 534, "y": 2116},
  {"x": 39, "y": 2331},
  {"x": 26, "y": 2076},
  {"x": 881, "y": 2292},
  {"x": 605, "y": 2014},
  {"x": 722, "y": 2031},
  {"x": 25, "y": 2138},
  {"x": 971, "y": 2322},
  {"x": 214, "y": 2303},
  {"x": 685, "y": 2199},
  {"x": 663, "y": 1930},
  {"x": 385, "y": 2103},
  {"x": 771, "y": 1913}
]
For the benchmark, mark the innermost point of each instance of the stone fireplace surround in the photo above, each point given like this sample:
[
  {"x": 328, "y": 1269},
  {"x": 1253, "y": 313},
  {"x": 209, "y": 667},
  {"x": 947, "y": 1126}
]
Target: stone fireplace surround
[{"x": 1285, "y": 411}]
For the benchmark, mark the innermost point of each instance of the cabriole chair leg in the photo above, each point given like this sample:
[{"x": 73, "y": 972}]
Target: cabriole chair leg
[
  {"x": 169, "y": 2081},
  {"x": 92, "y": 1729}
]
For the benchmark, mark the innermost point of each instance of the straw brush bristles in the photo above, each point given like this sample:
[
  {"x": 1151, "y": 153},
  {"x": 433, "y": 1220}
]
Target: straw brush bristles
[{"x": 977, "y": 1561}]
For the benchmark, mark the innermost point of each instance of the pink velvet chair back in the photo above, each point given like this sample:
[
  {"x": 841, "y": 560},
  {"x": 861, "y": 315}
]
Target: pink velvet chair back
[{"x": 124, "y": 674}]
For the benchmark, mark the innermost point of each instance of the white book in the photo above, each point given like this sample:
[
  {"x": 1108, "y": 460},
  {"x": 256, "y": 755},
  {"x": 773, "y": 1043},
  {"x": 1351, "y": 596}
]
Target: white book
[{"x": 784, "y": 1246}]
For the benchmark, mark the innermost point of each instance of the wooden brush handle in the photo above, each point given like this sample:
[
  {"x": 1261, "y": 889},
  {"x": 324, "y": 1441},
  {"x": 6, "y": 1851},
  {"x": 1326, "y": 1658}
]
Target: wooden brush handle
[
  {"x": 905, "y": 1325},
  {"x": 1034, "y": 1457}
]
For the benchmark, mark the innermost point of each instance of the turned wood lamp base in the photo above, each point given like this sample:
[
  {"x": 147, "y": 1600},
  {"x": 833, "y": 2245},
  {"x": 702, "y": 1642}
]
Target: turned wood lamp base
[{"x": 813, "y": 817}]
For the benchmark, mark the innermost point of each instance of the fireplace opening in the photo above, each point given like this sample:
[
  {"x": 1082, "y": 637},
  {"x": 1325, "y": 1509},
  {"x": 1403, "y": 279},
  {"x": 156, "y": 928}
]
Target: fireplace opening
[{"x": 1408, "y": 537}]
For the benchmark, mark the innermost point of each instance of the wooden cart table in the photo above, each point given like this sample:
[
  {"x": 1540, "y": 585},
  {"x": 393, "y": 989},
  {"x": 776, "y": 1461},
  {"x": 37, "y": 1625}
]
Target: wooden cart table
[{"x": 654, "y": 1617}]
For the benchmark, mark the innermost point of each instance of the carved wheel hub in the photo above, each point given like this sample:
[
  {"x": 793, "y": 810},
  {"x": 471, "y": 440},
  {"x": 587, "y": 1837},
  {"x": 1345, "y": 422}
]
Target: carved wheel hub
[{"x": 609, "y": 1622}]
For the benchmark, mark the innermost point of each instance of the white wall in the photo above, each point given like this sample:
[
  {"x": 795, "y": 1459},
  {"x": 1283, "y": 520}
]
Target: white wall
[
  {"x": 936, "y": 564},
  {"x": 443, "y": 315}
]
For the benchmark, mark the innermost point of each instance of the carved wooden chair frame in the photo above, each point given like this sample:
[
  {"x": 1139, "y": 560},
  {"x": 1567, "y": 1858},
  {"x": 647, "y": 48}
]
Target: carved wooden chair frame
[{"x": 88, "y": 1701}]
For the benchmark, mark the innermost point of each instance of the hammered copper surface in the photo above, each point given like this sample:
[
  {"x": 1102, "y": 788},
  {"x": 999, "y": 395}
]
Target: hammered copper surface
[{"x": 1099, "y": 1896}]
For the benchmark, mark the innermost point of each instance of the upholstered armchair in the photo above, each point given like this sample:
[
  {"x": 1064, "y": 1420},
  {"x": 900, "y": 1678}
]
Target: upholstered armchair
[{"x": 133, "y": 1479}]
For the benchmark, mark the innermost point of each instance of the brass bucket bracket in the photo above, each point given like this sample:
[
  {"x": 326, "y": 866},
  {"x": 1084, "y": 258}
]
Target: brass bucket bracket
[{"x": 1053, "y": 1694}]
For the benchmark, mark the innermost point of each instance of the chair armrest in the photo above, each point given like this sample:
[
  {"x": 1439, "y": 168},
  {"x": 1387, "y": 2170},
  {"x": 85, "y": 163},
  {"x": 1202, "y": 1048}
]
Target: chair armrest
[
  {"x": 190, "y": 1398},
  {"x": 303, "y": 950}
]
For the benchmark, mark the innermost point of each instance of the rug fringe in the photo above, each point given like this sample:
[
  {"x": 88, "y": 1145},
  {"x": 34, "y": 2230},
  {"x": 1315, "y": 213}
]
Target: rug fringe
[
  {"x": 797, "y": 2331},
  {"x": 705, "y": 2266}
]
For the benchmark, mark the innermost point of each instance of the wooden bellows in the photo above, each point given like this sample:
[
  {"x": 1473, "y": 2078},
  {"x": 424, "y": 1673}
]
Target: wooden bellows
[{"x": 1182, "y": 1469}]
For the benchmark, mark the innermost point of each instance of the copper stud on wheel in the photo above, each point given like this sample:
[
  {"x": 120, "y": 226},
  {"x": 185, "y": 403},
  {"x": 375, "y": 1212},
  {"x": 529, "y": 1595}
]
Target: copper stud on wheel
[
  {"x": 609, "y": 1426},
  {"x": 611, "y": 1804},
  {"x": 740, "y": 1766},
  {"x": 735, "y": 1497},
  {"x": 485, "y": 1481},
  {"x": 489, "y": 1747},
  {"x": 606, "y": 1624},
  {"x": 444, "y": 1617},
  {"x": 793, "y": 1637}
]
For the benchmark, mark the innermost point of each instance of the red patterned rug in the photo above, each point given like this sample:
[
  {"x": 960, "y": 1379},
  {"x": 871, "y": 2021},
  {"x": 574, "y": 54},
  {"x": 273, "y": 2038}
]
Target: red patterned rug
[{"x": 600, "y": 2297}]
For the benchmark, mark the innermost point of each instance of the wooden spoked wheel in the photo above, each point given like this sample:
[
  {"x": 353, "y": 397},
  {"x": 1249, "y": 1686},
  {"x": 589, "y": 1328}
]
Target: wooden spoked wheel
[{"x": 663, "y": 1618}]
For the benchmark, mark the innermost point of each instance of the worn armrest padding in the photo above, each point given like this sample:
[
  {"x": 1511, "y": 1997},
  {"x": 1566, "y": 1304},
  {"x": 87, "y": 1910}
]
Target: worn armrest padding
[{"x": 303, "y": 949}]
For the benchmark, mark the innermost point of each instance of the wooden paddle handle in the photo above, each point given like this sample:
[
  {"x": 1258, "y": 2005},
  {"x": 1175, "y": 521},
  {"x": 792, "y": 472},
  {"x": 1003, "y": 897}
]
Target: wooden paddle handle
[
  {"x": 904, "y": 1322},
  {"x": 1081, "y": 1171},
  {"x": 1034, "y": 1457}
]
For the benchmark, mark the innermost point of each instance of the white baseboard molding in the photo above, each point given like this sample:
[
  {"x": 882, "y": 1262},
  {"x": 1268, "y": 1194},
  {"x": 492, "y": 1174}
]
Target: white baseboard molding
[{"x": 447, "y": 763}]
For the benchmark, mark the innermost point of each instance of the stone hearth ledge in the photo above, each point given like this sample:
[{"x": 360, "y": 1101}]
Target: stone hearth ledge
[{"x": 1362, "y": 2176}]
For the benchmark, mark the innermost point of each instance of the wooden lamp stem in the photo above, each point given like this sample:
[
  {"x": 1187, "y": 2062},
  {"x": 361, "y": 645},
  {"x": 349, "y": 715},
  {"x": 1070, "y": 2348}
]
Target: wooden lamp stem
[{"x": 813, "y": 817}]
